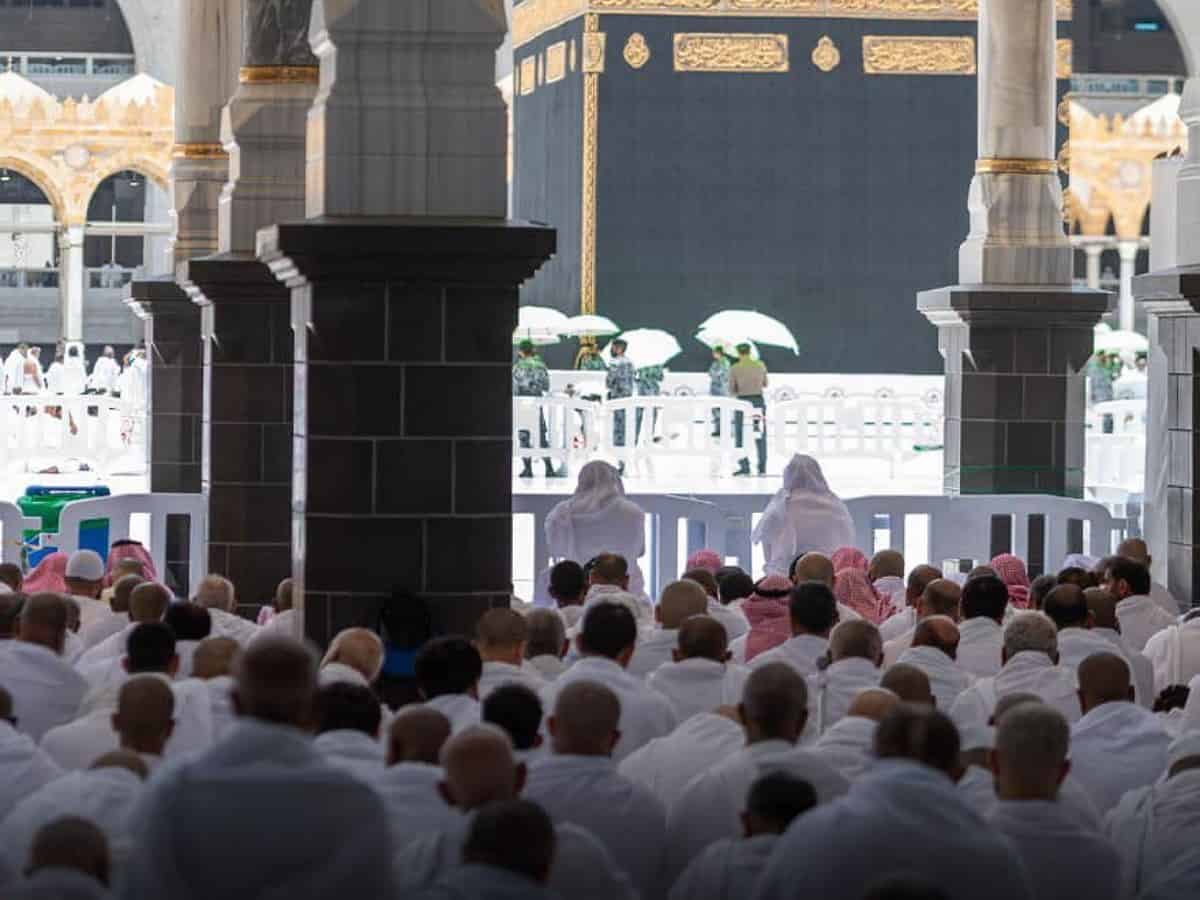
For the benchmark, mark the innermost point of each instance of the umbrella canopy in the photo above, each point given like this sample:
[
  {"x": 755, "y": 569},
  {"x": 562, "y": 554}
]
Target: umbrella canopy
[
  {"x": 742, "y": 326},
  {"x": 647, "y": 347},
  {"x": 539, "y": 324},
  {"x": 1121, "y": 342},
  {"x": 535, "y": 337},
  {"x": 729, "y": 347},
  {"x": 590, "y": 326}
]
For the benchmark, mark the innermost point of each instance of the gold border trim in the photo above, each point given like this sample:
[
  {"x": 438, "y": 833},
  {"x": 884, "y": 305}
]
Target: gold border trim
[
  {"x": 279, "y": 75},
  {"x": 591, "y": 125},
  {"x": 997, "y": 166},
  {"x": 199, "y": 151}
]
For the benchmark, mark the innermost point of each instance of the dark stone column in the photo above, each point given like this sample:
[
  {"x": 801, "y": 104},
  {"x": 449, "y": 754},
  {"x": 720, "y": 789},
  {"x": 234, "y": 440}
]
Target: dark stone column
[
  {"x": 1172, "y": 299},
  {"x": 247, "y": 452},
  {"x": 403, "y": 411},
  {"x": 1014, "y": 385}
]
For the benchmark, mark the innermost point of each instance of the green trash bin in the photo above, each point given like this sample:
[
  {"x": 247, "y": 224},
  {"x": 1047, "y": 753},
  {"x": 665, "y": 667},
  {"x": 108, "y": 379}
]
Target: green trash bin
[{"x": 46, "y": 503}]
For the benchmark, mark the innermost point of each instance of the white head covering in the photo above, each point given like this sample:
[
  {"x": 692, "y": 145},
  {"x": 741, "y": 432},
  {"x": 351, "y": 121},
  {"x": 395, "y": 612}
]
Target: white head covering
[
  {"x": 599, "y": 485},
  {"x": 1079, "y": 561},
  {"x": 826, "y": 523}
]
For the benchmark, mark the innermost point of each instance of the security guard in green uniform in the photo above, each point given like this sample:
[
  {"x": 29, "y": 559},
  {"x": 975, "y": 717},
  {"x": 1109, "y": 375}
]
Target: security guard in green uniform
[{"x": 531, "y": 378}]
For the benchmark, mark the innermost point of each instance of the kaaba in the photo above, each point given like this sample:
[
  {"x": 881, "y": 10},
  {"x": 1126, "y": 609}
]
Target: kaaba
[{"x": 809, "y": 159}]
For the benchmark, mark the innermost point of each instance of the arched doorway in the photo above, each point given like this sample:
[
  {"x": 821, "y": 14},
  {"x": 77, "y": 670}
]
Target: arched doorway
[
  {"x": 127, "y": 225},
  {"x": 28, "y": 244}
]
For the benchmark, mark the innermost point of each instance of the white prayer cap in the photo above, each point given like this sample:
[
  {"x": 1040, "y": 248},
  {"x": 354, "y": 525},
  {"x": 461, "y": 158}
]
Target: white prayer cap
[
  {"x": 86, "y": 565},
  {"x": 977, "y": 737},
  {"x": 1079, "y": 561},
  {"x": 1183, "y": 747}
]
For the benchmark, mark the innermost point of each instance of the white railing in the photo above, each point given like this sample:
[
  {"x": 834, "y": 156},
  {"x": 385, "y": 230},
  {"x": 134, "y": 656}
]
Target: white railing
[
  {"x": 929, "y": 529},
  {"x": 38, "y": 429},
  {"x": 666, "y": 427},
  {"x": 1116, "y": 462}
]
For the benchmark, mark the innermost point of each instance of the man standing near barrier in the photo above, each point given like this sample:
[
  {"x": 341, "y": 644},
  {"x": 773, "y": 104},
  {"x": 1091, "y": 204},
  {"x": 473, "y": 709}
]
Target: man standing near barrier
[
  {"x": 621, "y": 376},
  {"x": 748, "y": 381},
  {"x": 531, "y": 378}
]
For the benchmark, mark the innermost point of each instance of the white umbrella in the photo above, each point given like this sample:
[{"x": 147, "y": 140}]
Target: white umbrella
[
  {"x": 741, "y": 326},
  {"x": 590, "y": 326},
  {"x": 647, "y": 347},
  {"x": 1121, "y": 342},
  {"x": 539, "y": 324},
  {"x": 729, "y": 347},
  {"x": 535, "y": 336}
]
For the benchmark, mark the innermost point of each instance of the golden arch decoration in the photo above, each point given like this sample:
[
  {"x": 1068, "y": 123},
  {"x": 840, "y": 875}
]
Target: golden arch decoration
[{"x": 32, "y": 168}]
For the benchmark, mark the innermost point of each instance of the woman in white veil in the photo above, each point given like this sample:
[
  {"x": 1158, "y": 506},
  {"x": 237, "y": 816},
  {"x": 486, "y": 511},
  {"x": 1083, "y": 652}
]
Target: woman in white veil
[
  {"x": 804, "y": 517},
  {"x": 598, "y": 519}
]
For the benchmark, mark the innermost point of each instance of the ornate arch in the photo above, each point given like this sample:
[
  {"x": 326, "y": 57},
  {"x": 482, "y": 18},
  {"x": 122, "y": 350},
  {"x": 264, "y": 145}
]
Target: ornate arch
[{"x": 35, "y": 170}]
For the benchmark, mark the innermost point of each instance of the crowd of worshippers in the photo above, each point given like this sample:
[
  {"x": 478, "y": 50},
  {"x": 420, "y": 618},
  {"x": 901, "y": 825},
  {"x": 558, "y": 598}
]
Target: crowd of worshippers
[{"x": 851, "y": 729}]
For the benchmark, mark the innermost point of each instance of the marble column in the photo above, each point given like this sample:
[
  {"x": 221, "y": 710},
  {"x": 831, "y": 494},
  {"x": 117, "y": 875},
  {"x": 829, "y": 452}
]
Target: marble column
[
  {"x": 71, "y": 278},
  {"x": 1014, "y": 332},
  {"x": 1128, "y": 251},
  {"x": 404, "y": 293},
  {"x": 1093, "y": 252},
  {"x": 247, "y": 453}
]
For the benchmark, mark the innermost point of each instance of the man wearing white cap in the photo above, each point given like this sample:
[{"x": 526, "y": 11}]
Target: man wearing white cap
[{"x": 85, "y": 580}]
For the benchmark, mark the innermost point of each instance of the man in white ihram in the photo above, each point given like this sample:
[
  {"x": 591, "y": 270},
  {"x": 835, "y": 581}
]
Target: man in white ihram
[
  {"x": 701, "y": 679},
  {"x": 45, "y": 690},
  {"x": 933, "y": 651},
  {"x": 1140, "y": 617},
  {"x": 855, "y": 653},
  {"x": 680, "y": 601},
  {"x": 804, "y": 516},
  {"x": 813, "y": 612}
]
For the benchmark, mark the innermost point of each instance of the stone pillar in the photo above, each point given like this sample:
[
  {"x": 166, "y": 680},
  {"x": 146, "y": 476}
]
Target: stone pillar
[
  {"x": 1129, "y": 252},
  {"x": 71, "y": 278},
  {"x": 247, "y": 454},
  {"x": 1015, "y": 333},
  {"x": 403, "y": 413},
  {"x": 1094, "y": 252}
]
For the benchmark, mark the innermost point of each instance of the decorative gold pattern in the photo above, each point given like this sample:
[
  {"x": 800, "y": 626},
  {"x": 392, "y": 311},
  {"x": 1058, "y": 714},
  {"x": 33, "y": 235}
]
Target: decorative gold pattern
[
  {"x": 1063, "y": 50},
  {"x": 591, "y": 127},
  {"x": 636, "y": 54},
  {"x": 995, "y": 166},
  {"x": 528, "y": 76},
  {"x": 556, "y": 62},
  {"x": 279, "y": 74},
  {"x": 703, "y": 52},
  {"x": 198, "y": 151},
  {"x": 892, "y": 55},
  {"x": 535, "y": 17},
  {"x": 825, "y": 55},
  {"x": 593, "y": 52}
]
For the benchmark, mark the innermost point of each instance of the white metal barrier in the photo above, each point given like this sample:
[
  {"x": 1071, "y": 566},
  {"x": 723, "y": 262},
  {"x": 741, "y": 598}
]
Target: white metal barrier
[
  {"x": 646, "y": 428},
  {"x": 119, "y": 512},
  {"x": 1116, "y": 462},
  {"x": 48, "y": 429},
  {"x": 561, "y": 429}
]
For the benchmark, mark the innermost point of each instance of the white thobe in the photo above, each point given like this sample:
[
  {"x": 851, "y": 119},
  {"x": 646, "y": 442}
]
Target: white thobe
[
  {"x": 45, "y": 690},
  {"x": 699, "y": 685},
  {"x": 549, "y": 667},
  {"x": 79, "y": 743},
  {"x": 340, "y": 673},
  {"x": 848, "y": 746},
  {"x": 1117, "y": 747},
  {"x": 104, "y": 797},
  {"x": 1077, "y": 644},
  {"x": 980, "y": 641},
  {"x": 1061, "y": 859},
  {"x": 893, "y": 648},
  {"x": 231, "y": 625},
  {"x": 1141, "y": 618},
  {"x": 1174, "y": 654},
  {"x": 14, "y": 372},
  {"x": 732, "y": 619},
  {"x": 901, "y": 623},
  {"x": 104, "y": 374},
  {"x": 282, "y": 624},
  {"x": 666, "y": 765},
  {"x": 57, "y": 884},
  {"x": 413, "y": 802},
  {"x": 496, "y": 674},
  {"x": 977, "y": 787},
  {"x": 1154, "y": 825},
  {"x": 711, "y": 805},
  {"x": 618, "y": 526},
  {"x": 475, "y": 881},
  {"x": 354, "y": 751},
  {"x": 104, "y": 651},
  {"x": 1164, "y": 599},
  {"x": 103, "y": 629},
  {"x": 831, "y": 692},
  {"x": 290, "y": 825},
  {"x": 726, "y": 870},
  {"x": 26, "y": 767},
  {"x": 947, "y": 679},
  {"x": 461, "y": 709},
  {"x": 628, "y": 820},
  {"x": 892, "y": 587},
  {"x": 92, "y": 611},
  {"x": 654, "y": 648},
  {"x": 72, "y": 647},
  {"x": 846, "y": 845},
  {"x": 645, "y": 713},
  {"x": 800, "y": 651},
  {"x": 1027, "y": 672}
]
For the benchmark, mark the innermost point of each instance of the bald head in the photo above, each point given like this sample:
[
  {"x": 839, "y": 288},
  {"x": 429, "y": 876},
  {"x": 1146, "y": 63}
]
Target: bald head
[
  {"x": 585, "y": 720},
  {"x": 919, "y": 733},
  {"x": 43, "y": 621},
  {"x": 908, "y": 683},
  {"x": 856, "y": 639},
  {"x": 145, "y": 714},
  {"x": 1067, "y": 607},
  {"x": 70, "y": 843},
  {"x": 148, "y": 602},
  {"x": 813, "y": 567},
  {"x": 702, "y": 637},
  {"x": 479, "y": 767},
  {"x": 1103, "y": 607},
  {"x": 938, "y": 632},
  {"x": 123, "y": 589},
  {"x": 283, "y": 595},
  {"x": 1030, "y": 756},
  {"x": 873, "y": 704},
  {"x": 275, "y": 680},
  {"x": 774, "y": 704},
  {"x": 680, "y": 600},
  {"x": 886, "y": 563},
  {"x": 546, "y": 634},
  {"x": 500, "y": 629},
  {"x": 214, "y": 657},
  {"x": 1135, "y": 549},
  {"x": 358, "y": 648},
  {"x": 918, "y": 580},
  {"x": 940, "y": 598},
  {"x": 123, "y": 759},
  {"x": 1104, "y": 678},
  {"x": 417, "y": 735},
  {"x": 216, "y": 592}
]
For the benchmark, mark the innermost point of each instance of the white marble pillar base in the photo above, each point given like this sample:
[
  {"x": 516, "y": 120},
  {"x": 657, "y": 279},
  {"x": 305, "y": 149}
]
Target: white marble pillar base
[
  {"x": 263, "y": 129},
  {"x": 1188, "y": 235},
  {"x": 1016, "y": 232}
]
